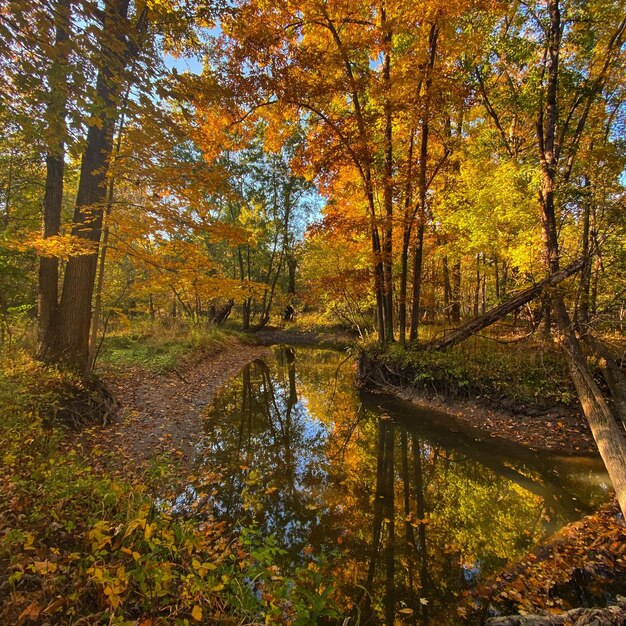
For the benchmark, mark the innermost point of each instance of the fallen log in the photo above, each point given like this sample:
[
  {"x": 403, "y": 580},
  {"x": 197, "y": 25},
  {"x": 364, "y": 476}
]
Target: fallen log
[
  {"x": 611, "y": 616},
  {"x": 497, "y": 313}
]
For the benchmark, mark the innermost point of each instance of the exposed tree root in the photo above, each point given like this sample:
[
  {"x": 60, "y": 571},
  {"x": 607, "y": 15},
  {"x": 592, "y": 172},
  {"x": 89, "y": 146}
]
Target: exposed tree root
[{"x": 87, "y": 402}]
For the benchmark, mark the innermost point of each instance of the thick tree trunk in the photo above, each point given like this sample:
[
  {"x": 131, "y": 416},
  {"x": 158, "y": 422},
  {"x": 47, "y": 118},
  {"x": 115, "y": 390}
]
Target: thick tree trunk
[
  {"x": 611, "y": 373},
  {"x": 49, "y": 349},
  {"x": 497, "y": 313},
  {"x": 80, "y": 274}
]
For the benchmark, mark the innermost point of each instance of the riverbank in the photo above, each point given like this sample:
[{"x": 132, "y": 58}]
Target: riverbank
[
  {"x": 89, "y": 534},
  {"x": 160, "y": 412},
  {"x": 582, "y": 565},
  {"x": 526, "y": 399}
]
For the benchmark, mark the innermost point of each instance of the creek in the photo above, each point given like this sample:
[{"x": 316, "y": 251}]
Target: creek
[{"x": 406, "y": 509}]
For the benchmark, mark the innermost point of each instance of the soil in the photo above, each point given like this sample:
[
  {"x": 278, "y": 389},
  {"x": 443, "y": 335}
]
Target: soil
[{"x": 161, "y": 413}]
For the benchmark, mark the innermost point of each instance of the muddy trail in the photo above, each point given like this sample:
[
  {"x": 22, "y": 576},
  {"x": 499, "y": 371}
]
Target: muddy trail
[{"x": 160, "y": 414}]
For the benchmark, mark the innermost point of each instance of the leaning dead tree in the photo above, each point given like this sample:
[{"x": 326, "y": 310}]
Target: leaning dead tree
[{"x": 502, "y": 310}]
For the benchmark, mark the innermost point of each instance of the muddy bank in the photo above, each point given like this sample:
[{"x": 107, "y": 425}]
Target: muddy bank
[
  {"x": 161, "y": 413},
  {"x": 582, "y": 565},
  {"x": 554, "y": 429}
]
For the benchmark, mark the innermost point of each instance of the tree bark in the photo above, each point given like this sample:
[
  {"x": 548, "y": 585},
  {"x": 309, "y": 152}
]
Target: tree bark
[
  {"x": 608, "y": 436},
  {"x": 611, "y": 372},
  {"x": 388, "y": 186},
  {"x": 422, "y": 183},
  {"x": 48, "y": 319},
  {"x": 456, "y": 292},
  {"x": 418, "y": 257},
  {"x": 80, "y": 274}
]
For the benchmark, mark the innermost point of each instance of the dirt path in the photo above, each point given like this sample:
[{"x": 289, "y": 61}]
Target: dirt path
[{"x": 162, "y": 413}]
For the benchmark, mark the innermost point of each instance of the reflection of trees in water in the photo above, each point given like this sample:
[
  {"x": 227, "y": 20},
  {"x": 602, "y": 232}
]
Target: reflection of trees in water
[
  {"x": 440, "y": 518},
  {"x": 272, "y": 460},
  {"x": 418, "y": 517}
]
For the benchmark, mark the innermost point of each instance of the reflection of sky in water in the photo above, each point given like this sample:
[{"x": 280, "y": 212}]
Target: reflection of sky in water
[{"x": 303, "y": 457}]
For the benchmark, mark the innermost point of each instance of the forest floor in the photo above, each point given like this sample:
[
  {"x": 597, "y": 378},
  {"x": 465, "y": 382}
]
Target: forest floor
[
  {"x": 98, "y": 485},
  {"x": 160, "y": 412}
]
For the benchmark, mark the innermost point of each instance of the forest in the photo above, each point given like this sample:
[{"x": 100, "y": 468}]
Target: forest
[{"x": 312, "y": 312}]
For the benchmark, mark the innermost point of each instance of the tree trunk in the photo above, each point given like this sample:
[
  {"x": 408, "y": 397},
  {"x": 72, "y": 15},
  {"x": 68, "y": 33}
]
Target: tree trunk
[
  {"x": 422, "y": 183},
  {"x": 456, "y": 292},
  {"x": 404, "y": 269},
  {"x": 477, "y": 286},
  {"x": 406, "y": 242},
  {"x": 49, "y": 349},
  {"x": 611, "y": 373},
  {"x": 608, "y": 436},
  {"x": 80, "y": 273},
  {"x": 418, "y": 258},
  {"x": 388, "y": 186},
  {"x": 447, "y": 289},
  {"x": 497, "y": 313},
  {"x": 584, "y": 292}
]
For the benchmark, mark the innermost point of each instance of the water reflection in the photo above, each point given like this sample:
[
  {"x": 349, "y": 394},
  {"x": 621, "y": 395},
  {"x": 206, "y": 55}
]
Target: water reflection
[{"x": 411, "y": 513}]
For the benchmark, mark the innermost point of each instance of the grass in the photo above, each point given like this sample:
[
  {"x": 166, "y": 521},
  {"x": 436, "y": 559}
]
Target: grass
[{"x": 161, "y": 349}]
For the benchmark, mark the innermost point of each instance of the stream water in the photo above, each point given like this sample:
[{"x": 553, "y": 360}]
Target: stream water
[{"x": 408, "y": 505}]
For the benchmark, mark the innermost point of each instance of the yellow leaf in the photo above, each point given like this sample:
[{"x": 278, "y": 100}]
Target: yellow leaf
[{"x": 196, "y": 613}]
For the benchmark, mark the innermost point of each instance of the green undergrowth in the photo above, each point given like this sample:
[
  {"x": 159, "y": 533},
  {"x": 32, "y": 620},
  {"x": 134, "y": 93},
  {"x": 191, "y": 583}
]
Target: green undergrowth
[
  {"x": 510, "y": 375},
  {"x": 161, "y": 349},
  {"x": 79, "y": 546}
]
